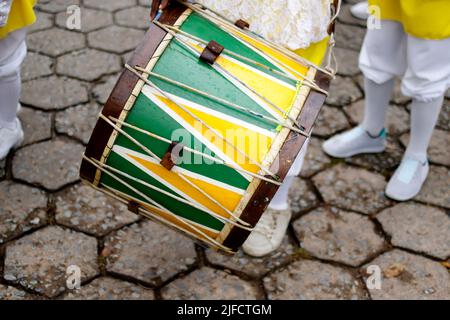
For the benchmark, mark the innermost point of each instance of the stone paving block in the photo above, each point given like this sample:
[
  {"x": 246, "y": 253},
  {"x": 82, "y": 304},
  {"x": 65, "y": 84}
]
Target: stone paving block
[
  {"x": 78, "y": 122},
  {"x": 353, "y": 189},
  {"x": 88, "y": 64},
  {"x": 254, "y": 267},
  {"x": 313, "y": 280},
  {"x": 43, "y": 21},
  {"x": 347, "y": 61},
  {"x": 82, "y": 208},
  {"x": 55, "y": 41},
  {"x": 26, "y": 264},
  {"x": 145, "y": 3},
  {"x": 36, "y": 66},
  {"x": 343, "y": 91},
  {"x": 416, "y": 278},
  {"x": 111, "y": 5},
  {"x": 149, "y": 252},
  {"x": 90, "y": 20},
  {"x": 11, "y": 293},
  {"x": 106, "y": 288},
  {"x": 349, "y": 37},
  {"x": 55, "y": 6},
  {"x": 115, "y": 39},
  {"x": 302, "y": 197},
  {"x": 210, "y": 284},
  {"x": 51, "y": 164},
  {"x": 60, "y": 93},
  {"x": 397, "y": 118},
  {"x": 419, "y": 228},
  {"x": 135, "y": 17},
  {"x": 315, "y": 159},
  {"x": 444, "y": 117},
  {"x": 37, "y": 125},
  {"x": 330, "y": 121},
  {"x": 380, "y": 162},
  {"x": 439, "y": 151},
  {"x": 22, "y": 208},
  {"x": 435, "y": 190},
  {"x": 102, "y": 90},
  {"x": 337, "y": 235}
]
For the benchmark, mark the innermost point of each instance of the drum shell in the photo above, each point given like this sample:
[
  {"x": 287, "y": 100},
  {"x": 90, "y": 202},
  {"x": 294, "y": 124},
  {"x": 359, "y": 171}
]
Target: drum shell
[{"x": 101, "y": 141}]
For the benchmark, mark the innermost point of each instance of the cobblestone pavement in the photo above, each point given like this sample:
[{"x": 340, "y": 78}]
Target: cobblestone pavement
[{"x": 342, "y": 220}]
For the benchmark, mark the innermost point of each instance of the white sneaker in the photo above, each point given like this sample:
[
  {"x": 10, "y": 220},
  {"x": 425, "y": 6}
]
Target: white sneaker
[
  {"x": 408, "y": 179},
  {"x": 10, "y": 138},
  {"x": 360, "y": 10},
  {"x": 353, "y": 142},
  {"x": 268, "y": 233}
]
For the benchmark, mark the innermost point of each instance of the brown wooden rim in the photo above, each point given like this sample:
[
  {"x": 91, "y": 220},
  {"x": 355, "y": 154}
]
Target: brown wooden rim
[{"x": 265, "y": 192}]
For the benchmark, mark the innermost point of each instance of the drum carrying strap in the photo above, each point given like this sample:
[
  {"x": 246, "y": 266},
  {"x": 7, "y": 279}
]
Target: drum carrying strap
[{"x": 212, "y": 52}]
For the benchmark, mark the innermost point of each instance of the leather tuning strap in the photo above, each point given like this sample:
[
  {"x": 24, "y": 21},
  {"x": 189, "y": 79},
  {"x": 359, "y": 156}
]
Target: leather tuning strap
[
  {"x": 242, "y": 24},
  {"x": 133, "y": 207},
  {"x": 211, "y": 52},
  {"x": 170, "y": 158}
]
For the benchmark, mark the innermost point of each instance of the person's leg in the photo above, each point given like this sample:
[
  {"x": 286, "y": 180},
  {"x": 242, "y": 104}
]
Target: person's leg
[
  {"x": 270, "y": 230},
  {"x": 426, "y": 81},
  {"x": 377, "y": 100},
  {"x": 12, "y": 52},
  {"x": 382, "y": 58},
  {"x": 10, "y": 93},
  {"x": 424, "y": 116}
]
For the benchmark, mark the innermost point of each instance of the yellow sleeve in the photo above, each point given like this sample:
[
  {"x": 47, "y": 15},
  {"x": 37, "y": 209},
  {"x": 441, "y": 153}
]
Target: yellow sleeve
[{"x": 21, "y": 15}]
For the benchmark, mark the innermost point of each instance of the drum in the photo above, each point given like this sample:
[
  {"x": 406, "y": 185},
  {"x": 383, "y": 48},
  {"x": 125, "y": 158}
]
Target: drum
[{"x": 203, "y": 125}]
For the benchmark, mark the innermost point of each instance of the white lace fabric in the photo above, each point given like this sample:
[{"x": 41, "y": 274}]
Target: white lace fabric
[
  {"x": 294, "y": 24},
  {"x": 5, "y": 8}
]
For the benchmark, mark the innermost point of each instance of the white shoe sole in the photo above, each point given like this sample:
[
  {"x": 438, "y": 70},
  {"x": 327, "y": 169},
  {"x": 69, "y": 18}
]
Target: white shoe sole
[{"x": 355, "y": 153}]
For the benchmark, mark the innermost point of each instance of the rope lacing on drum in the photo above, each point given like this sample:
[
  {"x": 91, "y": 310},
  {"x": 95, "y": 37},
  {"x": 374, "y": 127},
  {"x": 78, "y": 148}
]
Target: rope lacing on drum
[
  {"x": 112, "y": 171},
  {"x": 148, "y": 151},
  {"x": 217, "y": 99},
  {"x": 192, "y": 49},
  {"x": 304, "y": 80},
  {"x": 113, "y": 193},
  {"x": 193, "y": 151},
  {"x": 161, "y": 92}
]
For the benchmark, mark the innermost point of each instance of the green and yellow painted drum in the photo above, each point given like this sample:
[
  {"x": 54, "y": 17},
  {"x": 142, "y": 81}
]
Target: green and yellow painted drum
[{"x": 203, "y": 125}]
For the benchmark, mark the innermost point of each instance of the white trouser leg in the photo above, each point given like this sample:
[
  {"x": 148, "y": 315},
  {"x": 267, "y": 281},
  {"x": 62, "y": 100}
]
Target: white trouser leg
[
  {"x": 424, "y": 116},
  {"x": 383, "y": 52},
  {"x": 12, "y": 53},
  {"x": 427, "y": 76},
  {"x": 382, "y": 58},
  {"x": 9, "y": 98},
  {"x": 281, "y": 199}
]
